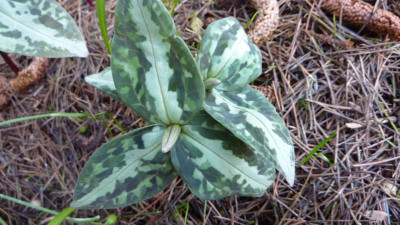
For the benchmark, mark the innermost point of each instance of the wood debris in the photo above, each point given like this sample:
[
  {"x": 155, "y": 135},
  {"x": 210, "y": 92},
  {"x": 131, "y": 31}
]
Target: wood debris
[
  {"x": 363, "y": 15},
  {"x": 266, "y": 23},
  {"x": 30, "y": 74},
  {"x": 4, "y": 87},
  {"x": 25, "y": 78}
]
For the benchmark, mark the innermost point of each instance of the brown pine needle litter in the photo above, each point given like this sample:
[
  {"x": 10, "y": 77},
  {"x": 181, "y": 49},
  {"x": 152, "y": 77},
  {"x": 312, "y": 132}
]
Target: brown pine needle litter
[
  {"x": 362, "y": 14},
  {"x": 320, "y": 85}
]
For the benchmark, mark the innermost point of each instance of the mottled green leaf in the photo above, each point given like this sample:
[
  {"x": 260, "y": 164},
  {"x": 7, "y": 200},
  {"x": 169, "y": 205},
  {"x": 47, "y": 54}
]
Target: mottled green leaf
[
  {"x": 104, "y": 82},
  {"x": 226, "y": 53},
  {"x": 151, "y": 66},
  {"x": 39, "y": 28},
  {"x": 216, "y": 164},
  {"x": 251, "y": 118},
  {"x": 124, "y": 171}
]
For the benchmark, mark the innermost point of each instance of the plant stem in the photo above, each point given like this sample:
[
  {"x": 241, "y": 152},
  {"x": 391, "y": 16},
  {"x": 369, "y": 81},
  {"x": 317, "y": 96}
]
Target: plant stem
[
  {"x": 75, "y": 220},
  {"x": 90, "y": 3},
  {"x": 9, "y": 62}
]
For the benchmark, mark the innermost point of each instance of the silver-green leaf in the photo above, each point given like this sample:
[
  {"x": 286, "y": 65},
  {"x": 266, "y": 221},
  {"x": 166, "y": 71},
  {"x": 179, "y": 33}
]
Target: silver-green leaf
[
  {"x": 125, "y": 171},
  {"x": 104, "y": 82},
  {"x": 254, "y": 120},
  {"x": 215, "y": 164},
  {"x": 227, "y": 54},
  {"x": 39, "y": 28},
  {"x": 151, "y": 66}
]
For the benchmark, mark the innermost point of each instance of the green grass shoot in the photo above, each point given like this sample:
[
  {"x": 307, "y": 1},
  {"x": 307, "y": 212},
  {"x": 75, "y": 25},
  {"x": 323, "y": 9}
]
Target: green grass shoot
[
  {"x": 57, "y": 220},
  {"x": 252, "y": 19},
  {"x": 47, "y": 115},
  {"x": 316, "y": 149},
  {"x": 101, "y": 14},
  {"x": 2, "y": 222},
  {"x": 74, "y": 220}
]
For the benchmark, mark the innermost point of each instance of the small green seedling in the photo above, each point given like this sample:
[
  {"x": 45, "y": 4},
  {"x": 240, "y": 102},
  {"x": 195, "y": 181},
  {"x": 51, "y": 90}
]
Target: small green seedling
[
  {"x": 222, "y": 137},
  {"x": 39, "y": 28}
]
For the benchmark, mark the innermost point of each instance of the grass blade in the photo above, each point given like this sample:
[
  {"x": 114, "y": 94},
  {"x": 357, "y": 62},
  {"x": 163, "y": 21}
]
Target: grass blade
[
  {"x": 316, "y": 149},
  {"x": 61, "y": 216},
  {"x": 75, "y": 220},
  {"x": 101, "y": 14},
  {"x": 252, "y": 19},
  {"x": 2, "y": 222},
  {"x": 26, "y": 118}
]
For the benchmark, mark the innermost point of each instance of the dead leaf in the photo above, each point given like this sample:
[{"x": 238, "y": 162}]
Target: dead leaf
[
  {"x": 196, "y": 24},
  {"x": 389, "y": 188},
  {"x": 375, "y": 215}
]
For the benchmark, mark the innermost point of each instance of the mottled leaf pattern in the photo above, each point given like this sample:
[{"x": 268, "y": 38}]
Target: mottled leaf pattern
[
  {"x": 104, "y": 82},
  {"x": 151, "y": 66},
  {"x": 226, "y": 53},
  {"x": 250, "y": 117},
  {"x": 39, "y": 28},
  {"x": 215, "y": 164},
  {"x": 124, "y": 171}
]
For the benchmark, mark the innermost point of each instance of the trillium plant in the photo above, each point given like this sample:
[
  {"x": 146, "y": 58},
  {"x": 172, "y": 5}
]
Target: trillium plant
[
  {"x": 39, "y": 28},
  {"x": 208, "y": 126}
]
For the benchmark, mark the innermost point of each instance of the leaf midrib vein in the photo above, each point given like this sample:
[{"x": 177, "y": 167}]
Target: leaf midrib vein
[
  {"x": 185, "y": 133},
  {"x": 230, "y": 57},
  {"x": 155, "y": 63},
  {"x": 260, "y": 120}
]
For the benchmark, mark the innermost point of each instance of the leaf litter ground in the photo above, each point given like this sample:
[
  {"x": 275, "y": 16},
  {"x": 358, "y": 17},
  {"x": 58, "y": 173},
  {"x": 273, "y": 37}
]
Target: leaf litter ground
[{"x": 319, "y": 84}]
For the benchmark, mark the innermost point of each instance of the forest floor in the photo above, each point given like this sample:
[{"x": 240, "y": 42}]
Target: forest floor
[{"x": 320, "y": 85}]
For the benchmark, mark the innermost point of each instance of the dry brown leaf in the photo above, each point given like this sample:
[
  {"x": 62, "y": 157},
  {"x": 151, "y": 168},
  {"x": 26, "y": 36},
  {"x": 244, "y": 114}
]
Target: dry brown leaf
[
  {"x": 196, "y": 24},
  {"x": 266, "y": 23},
  {"x": 380, "y": 120},
  {"x": 389, "y": 188},
  {"x": 360, "y": 14},
  {"x": 375, "y": 215},
  {"x": 4, "y": 100}
]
